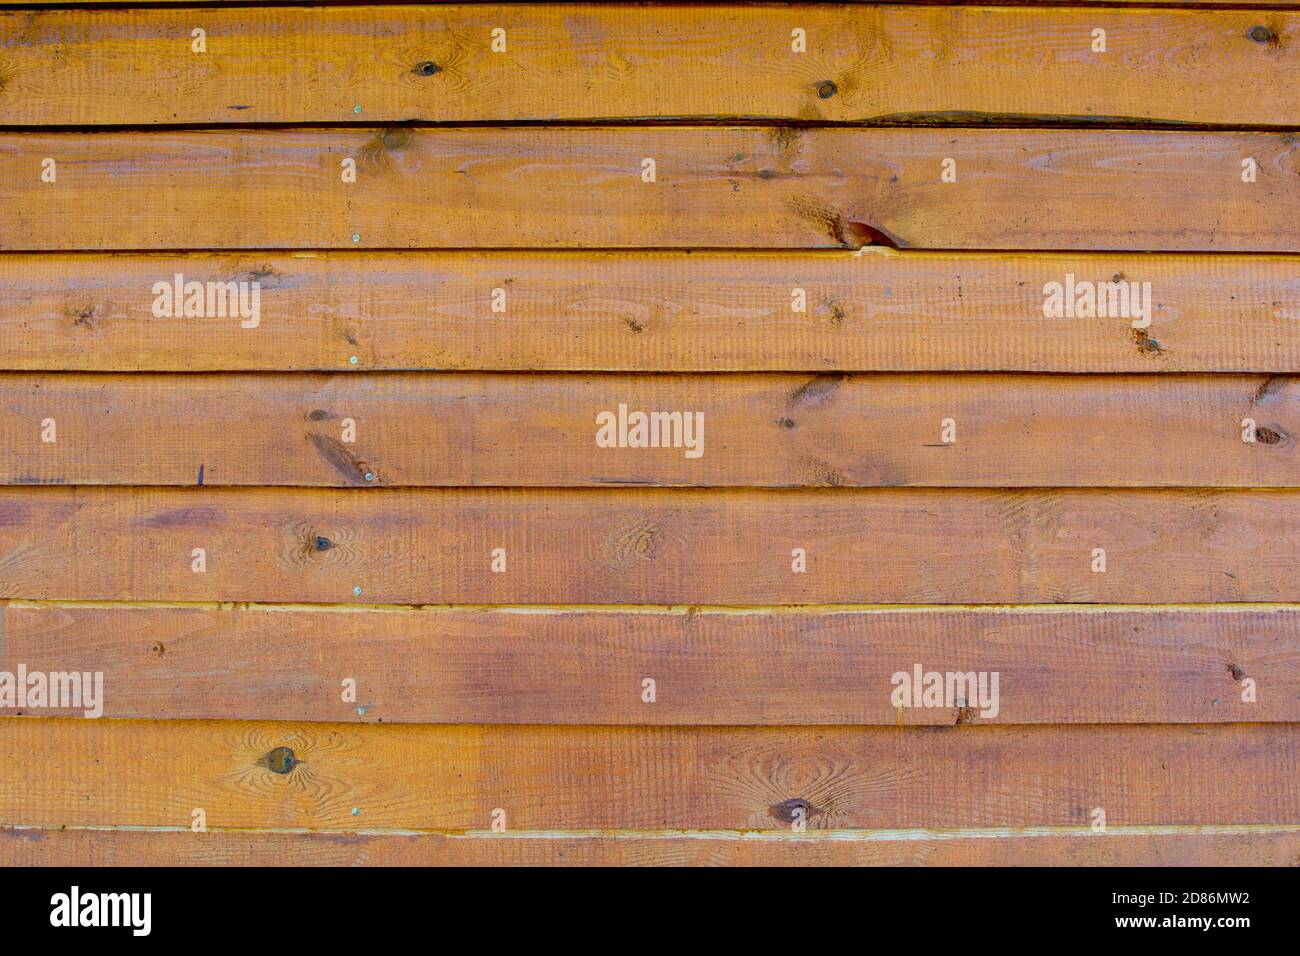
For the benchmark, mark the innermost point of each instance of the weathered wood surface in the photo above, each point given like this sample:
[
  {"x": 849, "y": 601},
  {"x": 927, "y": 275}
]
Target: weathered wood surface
[
  {"x": 644, "y": 546},
  {"x": 493, "y": 430},
  {"x": 635, "y": 62},
  {"x": 228, "y": 620},
  {"x": 737, "y": 667},
  {"x": 732, "y": 187},
  {"x": 1075, "y": 847},
  {"x": 256, "y": 774},
  {"x": 661, "y": 312}
]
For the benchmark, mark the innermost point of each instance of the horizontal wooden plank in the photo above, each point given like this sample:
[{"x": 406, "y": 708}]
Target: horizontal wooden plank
[
  {"x": 887, "y": 311},
  {"x": 511, "y": 62},
  {"x": 750, "y": 667},
  {"x": 569, "y": 430},
  {"x": 1133, "y": 846},
  {"x": 631, "y": 546},
  {"x": 732, "y": 187},
  {"x": 250, "y": 774}
]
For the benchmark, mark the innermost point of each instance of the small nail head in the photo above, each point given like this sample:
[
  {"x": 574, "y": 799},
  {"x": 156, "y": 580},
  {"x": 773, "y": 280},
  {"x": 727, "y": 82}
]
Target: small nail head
[
  {"x": 370, "y": 476},
  {"x": 352, "y": 360},
  {"x": 361, "y": 711},
  {"x": 356, "y": 811},
  {"x": 1261, "y": 34},
  {"x": 826, "y": 89},
  {"x": 357, "y": 590},
  {"x": 356, "y": 109},
  {"x": 356, "y": 237},
  {"x": 427, "y": 68}
]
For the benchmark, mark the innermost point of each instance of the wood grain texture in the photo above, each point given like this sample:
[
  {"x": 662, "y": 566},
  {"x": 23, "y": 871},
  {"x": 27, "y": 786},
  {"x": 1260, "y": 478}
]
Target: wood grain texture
[
  {"x": 498, "y": 586},
  {"x": 1131, "y": 847},
  {"x": 640, "y": 546},
  {"x": 753, "y": 667},
  {"x": 663, "y": 312},
  {"x": 78, "y": 772},
  {"x": 733, "y": 187},
  {"x": 465, "y": 430},
  {"x": 620, "y": 62}
]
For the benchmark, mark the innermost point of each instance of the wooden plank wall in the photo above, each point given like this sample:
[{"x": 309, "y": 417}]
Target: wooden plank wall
[{"x": 973, "y": 334}]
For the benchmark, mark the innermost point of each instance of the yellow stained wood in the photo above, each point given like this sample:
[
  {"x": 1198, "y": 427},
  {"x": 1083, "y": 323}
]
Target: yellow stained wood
[
  {"x": 745, "y": 667},
  {"x": 649, "y": 546},
  {"x": 732, "y": 187},
  {"x": 510, "y": 62},
  {"x": 478, "y": 429},
  {"x": 248, "y": 774},
  {"x": 653, "y": 312}
]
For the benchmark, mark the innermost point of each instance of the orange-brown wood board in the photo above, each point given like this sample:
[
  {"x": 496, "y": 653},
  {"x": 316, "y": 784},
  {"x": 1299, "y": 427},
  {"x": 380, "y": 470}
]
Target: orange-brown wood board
[
  {"x": 674, "y": 434},
  {"x": 585, "y": 187},
  {"x": 614, "y": 62},
  {"x": 869, "y": 310}
]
